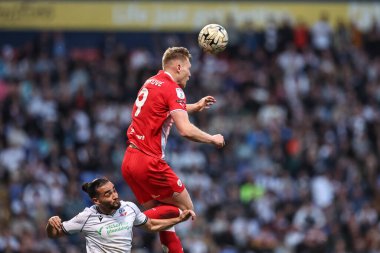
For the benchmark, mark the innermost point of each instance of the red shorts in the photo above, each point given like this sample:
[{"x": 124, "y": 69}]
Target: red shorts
[{"x": 149, "y": 177}]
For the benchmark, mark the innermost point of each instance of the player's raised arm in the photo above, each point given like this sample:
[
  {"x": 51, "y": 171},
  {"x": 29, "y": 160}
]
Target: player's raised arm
[
  {"x": 155, "y": 225},
  {"x": 54, "y": 227},
  {"x": 203, "y": 103},
  {"x": 191, "y": 132}
]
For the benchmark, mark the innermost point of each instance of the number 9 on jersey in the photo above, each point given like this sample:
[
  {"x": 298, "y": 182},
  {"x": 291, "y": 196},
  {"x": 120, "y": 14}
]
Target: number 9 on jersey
[{"x": 140, "y": 100}]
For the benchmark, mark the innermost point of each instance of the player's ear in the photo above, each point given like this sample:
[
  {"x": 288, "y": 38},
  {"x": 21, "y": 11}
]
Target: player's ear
[
  {"x": 178, "y": 67},
  {"x": 96, "y": 201}
]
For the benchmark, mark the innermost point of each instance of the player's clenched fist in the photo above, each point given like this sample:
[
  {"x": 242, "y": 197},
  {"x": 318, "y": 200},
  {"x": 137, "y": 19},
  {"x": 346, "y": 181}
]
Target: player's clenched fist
[
  {"x": 186, "y": 214},
  {"x": 56, "y": 222},
  {"x": 218, "y": 140}
]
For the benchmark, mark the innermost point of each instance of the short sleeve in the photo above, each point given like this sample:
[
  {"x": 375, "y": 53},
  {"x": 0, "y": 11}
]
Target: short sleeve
[
  {"x": 77, "y": 223},
  {"x": 176, "y": 99},
  {"x": 141, "y": 218}
]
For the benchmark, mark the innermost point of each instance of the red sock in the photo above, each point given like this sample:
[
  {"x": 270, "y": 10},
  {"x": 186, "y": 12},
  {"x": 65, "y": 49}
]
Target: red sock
[
  {"x": 170, "y": 242},
  {"x": 162, "y": 212}
]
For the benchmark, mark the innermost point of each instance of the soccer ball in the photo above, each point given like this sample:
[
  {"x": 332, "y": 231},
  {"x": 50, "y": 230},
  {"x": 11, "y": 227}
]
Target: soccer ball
[{"x": 213, "y": 38}]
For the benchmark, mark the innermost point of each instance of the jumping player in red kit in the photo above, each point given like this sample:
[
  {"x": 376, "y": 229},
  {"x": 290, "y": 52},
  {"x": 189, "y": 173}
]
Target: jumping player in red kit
[{"x": 160, "y": 103}]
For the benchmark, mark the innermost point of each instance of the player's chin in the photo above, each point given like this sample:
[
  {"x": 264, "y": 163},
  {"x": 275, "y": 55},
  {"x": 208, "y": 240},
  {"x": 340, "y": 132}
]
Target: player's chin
[{"x": 116, "y": 204}]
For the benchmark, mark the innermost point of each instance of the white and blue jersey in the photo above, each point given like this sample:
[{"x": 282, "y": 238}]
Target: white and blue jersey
[{"x": 107, "y": 233}]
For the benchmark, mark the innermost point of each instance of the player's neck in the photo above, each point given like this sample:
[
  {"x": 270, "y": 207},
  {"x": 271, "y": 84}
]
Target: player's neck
[
  {"x": 105, "y": 211},
  {"x": 169, "y": 74}
]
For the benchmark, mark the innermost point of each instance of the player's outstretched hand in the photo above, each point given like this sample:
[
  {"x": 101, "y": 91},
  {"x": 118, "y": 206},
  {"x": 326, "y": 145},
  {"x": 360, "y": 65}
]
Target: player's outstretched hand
[
  {"x": 186, "y": 214},
  {"x": 218, "y": 140},
  {"x": 205, "y": 102},
  {"x": 55, "y": 222}
]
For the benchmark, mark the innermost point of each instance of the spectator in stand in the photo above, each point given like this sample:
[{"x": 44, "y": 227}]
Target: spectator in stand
[{"x": 301, "y": 35}]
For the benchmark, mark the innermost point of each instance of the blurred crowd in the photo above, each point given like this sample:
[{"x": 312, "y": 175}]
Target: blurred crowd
[{"x": 298, "y": 105}]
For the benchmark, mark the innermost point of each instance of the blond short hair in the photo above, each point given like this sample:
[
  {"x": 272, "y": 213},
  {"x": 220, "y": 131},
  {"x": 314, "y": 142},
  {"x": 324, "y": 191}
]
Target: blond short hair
[{"x": 173, "y": 53}]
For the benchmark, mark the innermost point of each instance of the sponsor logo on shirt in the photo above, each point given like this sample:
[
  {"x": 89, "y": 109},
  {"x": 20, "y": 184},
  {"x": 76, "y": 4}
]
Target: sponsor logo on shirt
[
  {"x": 122, "y": 212},
  {"x": 181, "y": 102},
  {"x": 180, "y": 93},
  {"x": 107, "y": 230}
]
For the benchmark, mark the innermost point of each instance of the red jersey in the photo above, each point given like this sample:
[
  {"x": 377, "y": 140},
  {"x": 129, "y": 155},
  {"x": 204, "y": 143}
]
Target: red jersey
[{"x": 151, "y": 121}]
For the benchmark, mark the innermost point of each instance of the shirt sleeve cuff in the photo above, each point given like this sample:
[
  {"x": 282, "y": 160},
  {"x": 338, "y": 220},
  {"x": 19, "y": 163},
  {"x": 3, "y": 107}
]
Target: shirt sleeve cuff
[
  {"x": 142, "y": 223},
  {"x": 64, "y": 230}
]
